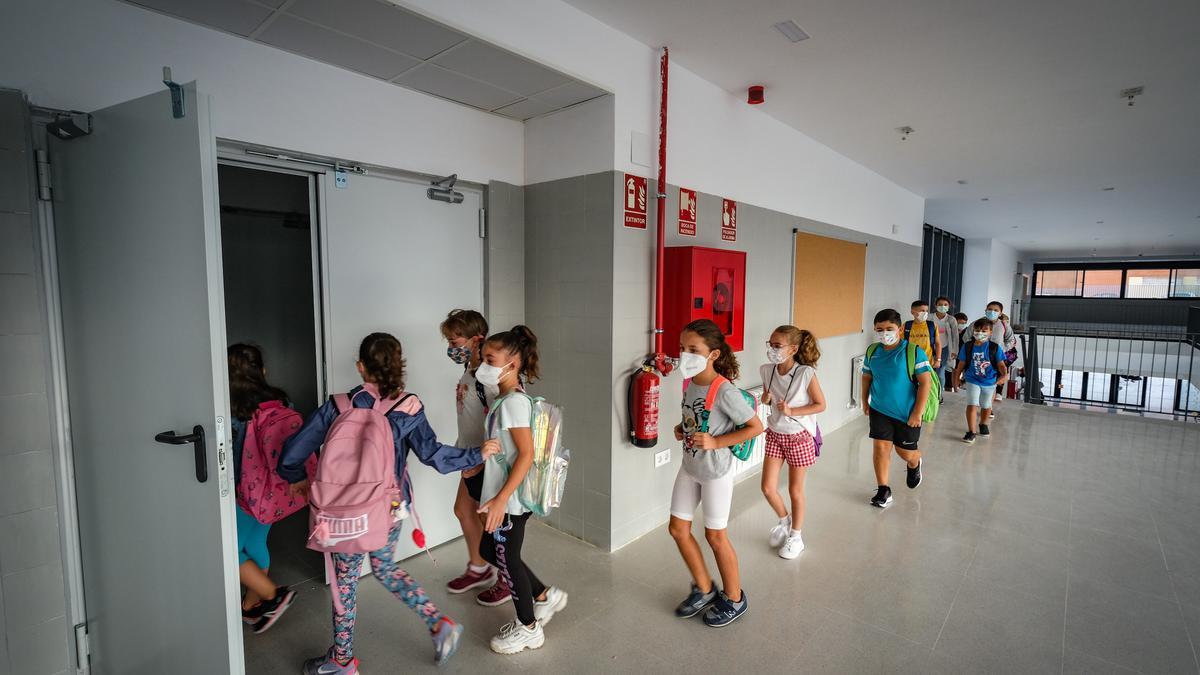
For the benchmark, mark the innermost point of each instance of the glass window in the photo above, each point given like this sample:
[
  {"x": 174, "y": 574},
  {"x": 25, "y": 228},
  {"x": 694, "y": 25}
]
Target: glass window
[
  {"x": 1070, "y": 384},
  {"x": 1147, "y": 283},
  {"x": 1102, "y": 284},
  {"x": 1046, "y": 380},
  {"x": 1059, "y": 282},
  {"x": 1186, "y": 284},
  {"x": 1129, "y": 390},
  {"x": 1098, "y": 387},
  {"x": 1189, "y": 397}
]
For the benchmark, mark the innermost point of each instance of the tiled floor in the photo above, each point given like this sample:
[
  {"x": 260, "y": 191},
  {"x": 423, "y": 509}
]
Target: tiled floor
[{"x": 1067, "y": 543}]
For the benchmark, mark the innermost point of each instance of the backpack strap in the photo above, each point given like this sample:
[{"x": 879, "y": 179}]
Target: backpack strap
[
  {"x": 932, "y": 328},
  {"x": 713, "y": 388},
  {"x": 911, "y": 360},
  {"x": 399, "y": 402},
  {"x": 871, "y": 349},
  {"x": 907, "y": 329},
  {"x": 341, "y": 402}
]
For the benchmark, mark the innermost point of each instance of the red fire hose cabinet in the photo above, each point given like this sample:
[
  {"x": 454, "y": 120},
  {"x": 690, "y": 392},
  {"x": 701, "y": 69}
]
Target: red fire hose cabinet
[{"x": 704, "y": 283}]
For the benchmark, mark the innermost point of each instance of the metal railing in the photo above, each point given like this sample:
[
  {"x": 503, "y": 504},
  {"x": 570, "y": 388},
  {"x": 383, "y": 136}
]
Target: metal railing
[{"x": 1153, "y": 371}]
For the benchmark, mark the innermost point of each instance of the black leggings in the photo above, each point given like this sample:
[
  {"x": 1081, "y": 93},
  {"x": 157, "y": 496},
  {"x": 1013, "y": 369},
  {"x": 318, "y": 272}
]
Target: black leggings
[{"x": 502, "y": 548}]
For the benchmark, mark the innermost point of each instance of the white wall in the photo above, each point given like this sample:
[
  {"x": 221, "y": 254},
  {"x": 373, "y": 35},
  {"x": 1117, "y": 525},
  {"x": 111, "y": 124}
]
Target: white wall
[
  {"x": 718, "y": 144},
  {"x": 988, "y": 269},
  {"x": 576, "y": 141},
  {"x": 87, "y": 55}
]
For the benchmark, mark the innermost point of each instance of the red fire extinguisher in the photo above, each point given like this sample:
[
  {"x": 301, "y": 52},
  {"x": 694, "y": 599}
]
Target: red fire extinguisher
[{"x": 643, "y": 407}]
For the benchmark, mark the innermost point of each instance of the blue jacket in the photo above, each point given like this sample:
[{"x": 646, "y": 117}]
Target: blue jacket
[{"x": 409, "y": 432}]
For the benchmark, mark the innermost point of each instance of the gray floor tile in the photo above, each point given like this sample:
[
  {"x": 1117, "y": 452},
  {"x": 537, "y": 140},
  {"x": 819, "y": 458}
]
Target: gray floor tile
[
  {"x": 999, "y": 630},
  {"x": 1014, "y": 561},
  {"x": 1121, "y": 560},
  {"x": 844, "y": 645},
  {"x": 1128, "y": 628},
  {"x": 1075, "y": 663}
]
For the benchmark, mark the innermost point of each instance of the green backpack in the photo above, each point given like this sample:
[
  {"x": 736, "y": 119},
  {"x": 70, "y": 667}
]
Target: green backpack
[{"x": 934, "y": 402}]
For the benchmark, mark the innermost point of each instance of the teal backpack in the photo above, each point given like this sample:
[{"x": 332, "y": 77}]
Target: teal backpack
[
  {"x": 933, "y": 403},
  {"x": 744, "y": 449}
]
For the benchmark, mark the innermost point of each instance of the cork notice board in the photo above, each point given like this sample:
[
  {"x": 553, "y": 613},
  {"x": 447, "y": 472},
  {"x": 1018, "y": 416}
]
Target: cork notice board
[{"x": 828, "y": 285}]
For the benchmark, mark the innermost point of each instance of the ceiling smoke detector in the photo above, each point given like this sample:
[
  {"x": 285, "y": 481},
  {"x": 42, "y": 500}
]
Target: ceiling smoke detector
[
  {"x": 904, "y": 132},
  {"x": 1131, "y": 93},
  {"x": 791, "y": 31}
]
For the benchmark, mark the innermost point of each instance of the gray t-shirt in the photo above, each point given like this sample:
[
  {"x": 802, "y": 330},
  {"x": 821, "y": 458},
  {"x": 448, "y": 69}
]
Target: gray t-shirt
[{"x": 729, "y": 410}]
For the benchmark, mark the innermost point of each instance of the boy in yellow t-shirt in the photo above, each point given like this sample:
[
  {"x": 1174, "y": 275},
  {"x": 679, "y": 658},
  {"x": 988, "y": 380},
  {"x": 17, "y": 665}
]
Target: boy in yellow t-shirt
[{"x": 922, "y": 332}]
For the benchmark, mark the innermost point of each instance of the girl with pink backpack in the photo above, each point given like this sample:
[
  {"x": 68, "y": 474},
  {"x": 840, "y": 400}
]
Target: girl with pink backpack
[{"x": 360, "y": 494}]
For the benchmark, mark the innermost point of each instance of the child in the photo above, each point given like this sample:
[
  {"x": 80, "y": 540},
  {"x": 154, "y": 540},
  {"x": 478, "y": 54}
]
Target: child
[
  {"x": 922, "y": 332},
  {"x": 961, "y": 336},
  {"x": 707, "y": 471},
  {"x": 265, "y": 601},
  {"x": 1002, "y": 333},
  {"x": 948, "y": 332},
  {"x": 790, "y": 386},
  {"x": 381, "y": 366},
  {"x": 510, "y": 359},
  {"x": 465, "y": 331},
  {"x": 983, "y": 364},
  {"x": 895, "y": 405}
]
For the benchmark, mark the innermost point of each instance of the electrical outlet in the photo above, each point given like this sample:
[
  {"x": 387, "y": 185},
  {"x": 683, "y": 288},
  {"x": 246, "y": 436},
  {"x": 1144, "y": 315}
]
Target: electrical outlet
[{"x": 662, "y": 458}]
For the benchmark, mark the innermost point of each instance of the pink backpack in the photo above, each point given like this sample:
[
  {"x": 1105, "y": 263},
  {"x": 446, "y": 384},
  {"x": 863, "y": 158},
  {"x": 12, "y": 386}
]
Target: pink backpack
[
  {"x": 261, "y": 492},
  {"x": 354, "y": 490}
]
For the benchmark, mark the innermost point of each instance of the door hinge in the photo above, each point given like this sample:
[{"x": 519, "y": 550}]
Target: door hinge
[
  {"x": 83, "y": 651},
  {"x": 44, "y": 186},
  {"x": 483, "y": 223}
]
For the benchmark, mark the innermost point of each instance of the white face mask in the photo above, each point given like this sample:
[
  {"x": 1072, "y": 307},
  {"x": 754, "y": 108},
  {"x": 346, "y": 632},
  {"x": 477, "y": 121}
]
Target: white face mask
[
  {"x": 691, "y": 365},
  {"x": 887, "y": 337},
  {"x": 922, "y": 316},
  {"x": 776, "y": 356},
  {"x": 942, "y": 309},
  {"x": 962, "y": 326},
  {"x": 490, "y": 375},
  {"x": 982, "y": 336}
]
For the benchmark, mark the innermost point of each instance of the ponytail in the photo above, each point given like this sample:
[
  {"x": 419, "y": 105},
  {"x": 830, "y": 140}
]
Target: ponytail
[
  {"x": 521, "y": 341},
  {"x": 382, "y": 358},
  {"x": 807, "y": 351},
  {"x": 726, "y": 364}
]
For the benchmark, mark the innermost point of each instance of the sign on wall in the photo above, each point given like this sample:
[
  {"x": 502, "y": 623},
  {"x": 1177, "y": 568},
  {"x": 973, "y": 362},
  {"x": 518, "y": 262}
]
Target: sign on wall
[
  {"x": 635, "y": 201},
  {"x": 687, "y": 212},
  {"x": 728, "y": 220}
]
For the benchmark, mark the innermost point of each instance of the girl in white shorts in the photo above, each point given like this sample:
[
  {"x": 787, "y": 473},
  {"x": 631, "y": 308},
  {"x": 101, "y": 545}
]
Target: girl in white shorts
[{"x": 708, "y": 429}]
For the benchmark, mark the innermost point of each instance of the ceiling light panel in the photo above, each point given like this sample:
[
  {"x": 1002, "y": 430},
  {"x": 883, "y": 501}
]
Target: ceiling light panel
[
  {"x": 791, "y": 31},
  {"x": 382, "y": 23}
]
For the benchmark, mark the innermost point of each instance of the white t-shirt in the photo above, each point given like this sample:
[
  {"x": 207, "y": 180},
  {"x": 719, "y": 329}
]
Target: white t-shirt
[
  {"x": 471, "y": 412},
  {"x": 513, "y": 412},
  {"x": 794, "y": 388}
]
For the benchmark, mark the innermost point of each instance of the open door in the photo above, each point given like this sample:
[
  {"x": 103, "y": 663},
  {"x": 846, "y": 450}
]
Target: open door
[{"x": 143, "y": 323}]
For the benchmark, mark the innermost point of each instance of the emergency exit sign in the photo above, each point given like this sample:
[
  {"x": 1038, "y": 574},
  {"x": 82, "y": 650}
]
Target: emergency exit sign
[{"x": 635, "y": 201}]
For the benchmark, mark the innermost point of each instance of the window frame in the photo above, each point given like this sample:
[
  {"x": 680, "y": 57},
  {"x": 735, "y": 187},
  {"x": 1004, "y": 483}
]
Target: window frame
[{"x": 1173, "y": 266}]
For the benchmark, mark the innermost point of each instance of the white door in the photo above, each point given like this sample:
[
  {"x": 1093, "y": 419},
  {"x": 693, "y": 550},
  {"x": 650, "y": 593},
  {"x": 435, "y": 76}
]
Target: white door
[
  {"x": 143, "y": 324},
  {"x": 398, "y": 262}
]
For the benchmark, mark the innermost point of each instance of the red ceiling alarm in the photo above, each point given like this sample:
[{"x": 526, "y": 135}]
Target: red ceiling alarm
[{"x": 755, "y": 95}]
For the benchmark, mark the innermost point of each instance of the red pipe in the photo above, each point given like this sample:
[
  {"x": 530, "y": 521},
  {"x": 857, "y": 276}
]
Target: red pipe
[{"x": 660, "y": 254}]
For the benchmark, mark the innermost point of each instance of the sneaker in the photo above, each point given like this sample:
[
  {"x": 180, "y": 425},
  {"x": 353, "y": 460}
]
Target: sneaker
[
  {"x": 325, "y": 665},
  {"x": 514, "y": 638},
  {"x": 544, "y": 610},
  {"x": 496, "y": 595},
  {"x": 984, "y": 432},
  {"x": 914, "y": 475},
  {"x": 969, "y": 437},
  {"x": 273, "y": 609},
  {"x": 792, "y": 547},
  {"x": 445, "y": 640},
  {"x": 725, "y": 611},
  {"x": 778, "y": 534},
  {"x": 883, "y": 497},
  {"x": 471, "y": 579},
  {"x": 697, "y": 601}
]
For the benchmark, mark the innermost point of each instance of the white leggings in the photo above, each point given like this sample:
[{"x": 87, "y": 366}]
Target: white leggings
[{"x": 717, "y": 495}]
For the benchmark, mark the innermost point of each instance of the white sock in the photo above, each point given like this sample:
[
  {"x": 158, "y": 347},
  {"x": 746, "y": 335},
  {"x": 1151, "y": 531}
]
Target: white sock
[
  {"x": 796, "y": 533},
  {"x": 479, "y": 569},
  {"x": 786, "y": 520}
]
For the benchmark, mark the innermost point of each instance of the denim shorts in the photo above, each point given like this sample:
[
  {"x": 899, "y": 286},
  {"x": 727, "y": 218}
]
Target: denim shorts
[{"x": 980, "y": 396}]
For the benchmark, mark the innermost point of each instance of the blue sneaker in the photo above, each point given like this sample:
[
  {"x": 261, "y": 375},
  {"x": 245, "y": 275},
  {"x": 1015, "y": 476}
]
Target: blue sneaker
[
  {"x": 445, "y": 640},
  {"x": 697, "y": 601},
  {"x": 326, "y": 665},
  {"x": 725, "y": 611}
]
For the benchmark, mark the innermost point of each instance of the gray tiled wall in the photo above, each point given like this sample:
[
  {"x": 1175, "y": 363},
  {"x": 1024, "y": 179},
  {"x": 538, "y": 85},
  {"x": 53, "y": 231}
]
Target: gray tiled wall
[
  {"x": 569, "y": 304},
  {"x": 33, "y": 624},
  {"x": 640, "y": 492},
  {"x": 505, "y": 255}
]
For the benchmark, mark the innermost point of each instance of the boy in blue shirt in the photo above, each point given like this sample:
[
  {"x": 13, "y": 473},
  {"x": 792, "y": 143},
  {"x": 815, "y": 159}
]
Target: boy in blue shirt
[
  {"x": 981, "y": 365},
  {"x": 894, "y": 402}
]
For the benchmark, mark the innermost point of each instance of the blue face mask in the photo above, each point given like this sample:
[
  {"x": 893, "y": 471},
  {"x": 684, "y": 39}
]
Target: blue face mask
[{"x": 992, "y": 314}]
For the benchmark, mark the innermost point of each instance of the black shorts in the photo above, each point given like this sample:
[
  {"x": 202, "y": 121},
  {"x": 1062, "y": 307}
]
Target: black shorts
[
  {"x": 884, "y": 428},
  {"x": 475, "y": 486}
]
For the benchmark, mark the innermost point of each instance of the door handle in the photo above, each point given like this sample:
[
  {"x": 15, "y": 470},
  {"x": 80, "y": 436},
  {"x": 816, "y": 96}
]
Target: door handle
[{"x": 196, "y": 438}]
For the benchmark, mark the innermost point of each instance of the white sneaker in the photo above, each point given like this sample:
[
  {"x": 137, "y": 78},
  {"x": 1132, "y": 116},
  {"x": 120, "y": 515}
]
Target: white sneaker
[
  {"x": 544, "y": 610},
  {"x": 792, "y": 547},
  {"x": 514, "y": 638},
  {"x": 778, "y": 534}
]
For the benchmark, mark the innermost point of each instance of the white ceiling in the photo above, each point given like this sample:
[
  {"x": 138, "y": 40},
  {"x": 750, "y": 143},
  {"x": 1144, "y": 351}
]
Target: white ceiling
[
  {"x": 379, "y": 39},
  {"x": 1019, "y": 98}
]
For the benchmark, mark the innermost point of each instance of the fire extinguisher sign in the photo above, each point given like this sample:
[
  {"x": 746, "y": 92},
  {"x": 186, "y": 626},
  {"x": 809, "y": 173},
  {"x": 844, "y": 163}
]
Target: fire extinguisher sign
[
  {"x": 635, "y": 201},
  {"x": 728, "y": 220},
  {"x": 687, "y": 212}
]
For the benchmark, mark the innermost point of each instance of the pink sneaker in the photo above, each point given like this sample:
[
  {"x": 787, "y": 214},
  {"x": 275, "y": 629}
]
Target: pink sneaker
[
  {"x": 496, "y": 595},
  {"x": 471, "y": 579}
]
